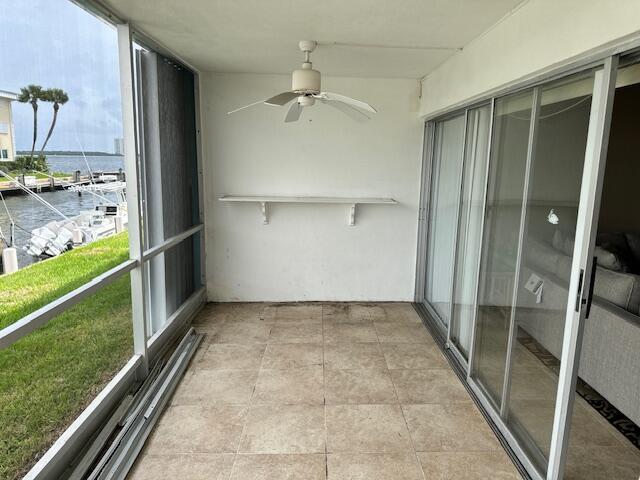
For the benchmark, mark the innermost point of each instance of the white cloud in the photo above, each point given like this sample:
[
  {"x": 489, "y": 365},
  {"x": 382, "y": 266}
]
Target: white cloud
[{"x": 54, "y": 43}]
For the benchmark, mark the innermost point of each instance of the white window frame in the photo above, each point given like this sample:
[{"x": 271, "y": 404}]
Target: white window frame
[{"x": 146, "y": 347}]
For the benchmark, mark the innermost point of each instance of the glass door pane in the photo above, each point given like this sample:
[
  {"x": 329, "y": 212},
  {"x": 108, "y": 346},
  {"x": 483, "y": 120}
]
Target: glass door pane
[
  {"x": 443, "y": 210},
  {"x": 470, "y": 227},
  {"x": 550, "y": 218},
  {"x": 512, "y": 121},
  {"x": 608, "y": 382}
]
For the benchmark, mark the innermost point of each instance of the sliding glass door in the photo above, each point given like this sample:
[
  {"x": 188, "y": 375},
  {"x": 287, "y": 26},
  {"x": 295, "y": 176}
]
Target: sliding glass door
[
  {"x": 537, "y": 163},
  {"x": 549, "y": 220},
  {"x": 443, "y": 209},
  {"x": 513, "y": 188}
]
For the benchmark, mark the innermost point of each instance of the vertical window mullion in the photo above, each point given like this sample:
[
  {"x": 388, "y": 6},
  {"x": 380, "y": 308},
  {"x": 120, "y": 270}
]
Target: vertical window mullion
[{"x": 134, "y": 206}]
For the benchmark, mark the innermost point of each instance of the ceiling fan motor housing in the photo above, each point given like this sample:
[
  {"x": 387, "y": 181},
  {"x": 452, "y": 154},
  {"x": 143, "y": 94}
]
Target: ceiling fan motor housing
[{"x": 306, "y": 80}]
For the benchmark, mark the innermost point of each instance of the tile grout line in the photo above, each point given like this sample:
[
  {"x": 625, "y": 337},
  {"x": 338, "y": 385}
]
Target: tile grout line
[
  {"x": 249, "y": 407},
  {"x": 373, "y": 322},
  {"x": 404, "y": 418},
  {"x": 324, "y": 402},
  {"x": 413, "y": 447}
]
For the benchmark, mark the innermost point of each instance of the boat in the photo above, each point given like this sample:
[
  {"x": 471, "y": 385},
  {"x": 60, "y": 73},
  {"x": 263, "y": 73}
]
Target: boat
[{"x": 105, "y": 219}]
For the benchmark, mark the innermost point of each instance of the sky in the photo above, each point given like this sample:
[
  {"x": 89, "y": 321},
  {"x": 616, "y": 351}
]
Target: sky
[{"x": 56, "y": 44}]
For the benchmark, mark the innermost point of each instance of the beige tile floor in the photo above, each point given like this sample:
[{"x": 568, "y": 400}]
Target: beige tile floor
[{"x": 320, "y": 391}]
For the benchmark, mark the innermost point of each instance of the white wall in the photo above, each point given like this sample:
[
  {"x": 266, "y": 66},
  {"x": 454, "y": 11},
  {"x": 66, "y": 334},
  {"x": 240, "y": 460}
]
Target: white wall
[
  {"x": 309, "y": 252},
  {"x": 534, "y": 37}
]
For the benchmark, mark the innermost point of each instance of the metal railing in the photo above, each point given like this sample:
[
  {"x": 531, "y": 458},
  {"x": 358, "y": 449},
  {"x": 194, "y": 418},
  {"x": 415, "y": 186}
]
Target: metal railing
[{"x": 27, "y": 324}]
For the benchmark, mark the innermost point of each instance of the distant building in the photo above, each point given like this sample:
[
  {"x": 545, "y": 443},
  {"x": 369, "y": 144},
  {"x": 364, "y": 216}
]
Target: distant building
[
  {"x": 7, "y": 136},
  {"x": 118, "y": 146}
]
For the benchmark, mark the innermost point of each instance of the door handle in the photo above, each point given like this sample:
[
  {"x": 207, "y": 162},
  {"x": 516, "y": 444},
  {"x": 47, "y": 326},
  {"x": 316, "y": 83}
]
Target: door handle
[
  {"x": 579, "y": 294},
  {"x": 594, "y": 267}
]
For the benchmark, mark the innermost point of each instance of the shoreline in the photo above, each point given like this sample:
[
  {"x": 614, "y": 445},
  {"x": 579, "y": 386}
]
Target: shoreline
[{"x": 21, "y": 153}]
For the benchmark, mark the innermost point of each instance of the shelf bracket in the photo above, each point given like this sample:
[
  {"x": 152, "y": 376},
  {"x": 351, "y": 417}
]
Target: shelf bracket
[
  {"x": 265, "y": 213},
  {"x": 352, "y": 215}
]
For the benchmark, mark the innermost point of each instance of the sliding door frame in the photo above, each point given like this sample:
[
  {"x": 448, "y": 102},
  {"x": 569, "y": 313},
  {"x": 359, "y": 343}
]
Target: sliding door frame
[
  {"x": 586, "y": 229},
  {"x": 451, "y": 345},
  {"x": 426, "y": 209},
  {"x": 423, "y": 211},
  {"x": 423, "y": 223},
  {"x": 469, "y": 363},
  {"x": 603, "y": 94},
  {"x": 456, "y": 228}
]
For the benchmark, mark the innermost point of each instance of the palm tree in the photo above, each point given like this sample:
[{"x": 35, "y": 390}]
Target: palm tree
[
  {"x": 58, "y": 97},
  {"x": 31, "y": 94}
]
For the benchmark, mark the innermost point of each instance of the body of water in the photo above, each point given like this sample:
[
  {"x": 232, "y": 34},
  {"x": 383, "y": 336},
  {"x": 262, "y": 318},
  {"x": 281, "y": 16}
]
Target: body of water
[
  {"x": 69, "y": 164},
  {"x": 28, "y": 213}
]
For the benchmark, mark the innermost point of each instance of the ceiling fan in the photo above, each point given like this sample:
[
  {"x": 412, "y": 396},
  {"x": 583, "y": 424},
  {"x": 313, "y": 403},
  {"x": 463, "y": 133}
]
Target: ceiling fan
[{"x": 305, "y": 89}]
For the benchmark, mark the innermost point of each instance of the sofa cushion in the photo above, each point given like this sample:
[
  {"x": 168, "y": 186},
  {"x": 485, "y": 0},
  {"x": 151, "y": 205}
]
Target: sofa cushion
[
  {"x": 621, "y": 289},
  {"x": 607, "y": 259},
  {"x": 612, "y": 241},
  {"x": 616, "y": 243},
  {"x": 633, "y": 239}
]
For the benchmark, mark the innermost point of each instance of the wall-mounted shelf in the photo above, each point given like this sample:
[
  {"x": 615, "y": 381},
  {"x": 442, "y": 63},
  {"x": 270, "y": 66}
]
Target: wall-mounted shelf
[{"x": 266, "y": 200}]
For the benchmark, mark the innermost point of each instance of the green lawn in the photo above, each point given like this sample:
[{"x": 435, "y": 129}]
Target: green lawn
[{"x": 48, "y": 377}]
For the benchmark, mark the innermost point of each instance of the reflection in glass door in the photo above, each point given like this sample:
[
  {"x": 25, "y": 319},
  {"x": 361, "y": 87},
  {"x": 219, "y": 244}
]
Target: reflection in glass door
[
  {"x": 443, "y": 208},
  {"x": 469, "y": 235}
]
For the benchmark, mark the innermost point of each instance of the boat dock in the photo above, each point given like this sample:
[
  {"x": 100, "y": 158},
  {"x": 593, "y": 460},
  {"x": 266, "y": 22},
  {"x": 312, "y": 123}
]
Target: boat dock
[{"x": 57, "y": 183}]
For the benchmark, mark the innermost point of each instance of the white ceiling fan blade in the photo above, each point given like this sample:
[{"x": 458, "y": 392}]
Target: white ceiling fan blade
[
  {"x": 281, "y": 99},
  {"x": 246, "y": 106},
  {"x": 294, "y": 113},
  {"x": 278, "y": 100},
  {"x": 349, "y": 101},
  {"x": 354, "y": 113}
]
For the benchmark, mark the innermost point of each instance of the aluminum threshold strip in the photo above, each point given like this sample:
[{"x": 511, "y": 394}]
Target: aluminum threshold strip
[
  {"x": 95, "y": 447},
  {"x": 90, "y": 456},
  {"x": 122, "y": 455},
  {"x": 431, "y": 325}
]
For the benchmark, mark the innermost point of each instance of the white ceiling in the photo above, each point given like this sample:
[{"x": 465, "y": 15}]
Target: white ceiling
[{"x": 262, "y": 35}]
